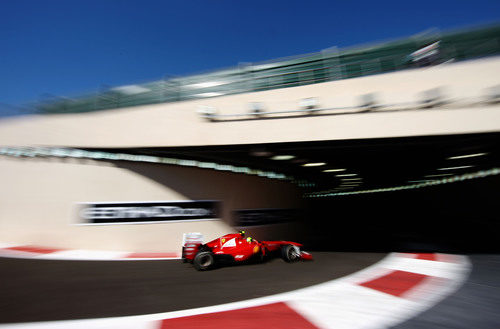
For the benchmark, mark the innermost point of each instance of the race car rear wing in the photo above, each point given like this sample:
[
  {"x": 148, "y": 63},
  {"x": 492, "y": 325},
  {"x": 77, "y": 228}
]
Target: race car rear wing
[{"x": 190, "y": 244}]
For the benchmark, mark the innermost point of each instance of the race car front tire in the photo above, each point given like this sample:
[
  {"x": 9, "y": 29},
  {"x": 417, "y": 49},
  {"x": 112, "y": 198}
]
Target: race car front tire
[
  {"x": 203, "y": 260},
  {"x": 290, "y": 253}
]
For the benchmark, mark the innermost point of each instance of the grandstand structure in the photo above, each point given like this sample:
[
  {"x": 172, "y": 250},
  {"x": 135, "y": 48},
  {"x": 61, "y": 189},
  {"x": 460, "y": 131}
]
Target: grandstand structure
[{"x": 270, "y": 147}]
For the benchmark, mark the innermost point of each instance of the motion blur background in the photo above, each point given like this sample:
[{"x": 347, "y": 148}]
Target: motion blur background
[
  {"x": 386, "y": 107},
  {"x": 369, "y": 127}
]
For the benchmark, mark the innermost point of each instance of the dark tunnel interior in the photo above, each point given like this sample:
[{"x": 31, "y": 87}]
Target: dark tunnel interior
[{"x": 456, "y": 218}]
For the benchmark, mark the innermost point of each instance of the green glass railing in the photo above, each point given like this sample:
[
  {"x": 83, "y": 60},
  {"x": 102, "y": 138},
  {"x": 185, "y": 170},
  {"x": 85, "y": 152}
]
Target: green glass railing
[{"x": 307, "y": 69}]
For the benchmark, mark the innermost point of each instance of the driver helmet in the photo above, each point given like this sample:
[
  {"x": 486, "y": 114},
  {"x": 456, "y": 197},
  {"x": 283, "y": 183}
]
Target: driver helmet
[{"x": 249, "y": 239}]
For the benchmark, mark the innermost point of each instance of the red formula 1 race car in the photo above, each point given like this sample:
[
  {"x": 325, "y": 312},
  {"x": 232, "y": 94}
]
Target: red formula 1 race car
[{"x": 236, "y": 248}]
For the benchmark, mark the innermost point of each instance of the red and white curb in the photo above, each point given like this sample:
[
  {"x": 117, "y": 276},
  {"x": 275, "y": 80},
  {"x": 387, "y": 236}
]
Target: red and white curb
[
  {"x": 27, "y": 251},
  {"x": 387, "y": 293}
]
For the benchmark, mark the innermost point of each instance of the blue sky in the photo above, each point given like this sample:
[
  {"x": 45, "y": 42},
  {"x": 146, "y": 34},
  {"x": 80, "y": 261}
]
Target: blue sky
[{"x": 72, "y": 47}]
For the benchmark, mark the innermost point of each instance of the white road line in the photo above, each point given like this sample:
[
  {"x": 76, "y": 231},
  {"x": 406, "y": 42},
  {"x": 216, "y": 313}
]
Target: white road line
[{"x": 83, "y": 255}]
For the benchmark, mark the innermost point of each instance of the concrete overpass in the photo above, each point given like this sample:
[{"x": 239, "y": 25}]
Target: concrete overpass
[
  {"x": 40, "y": 194},
  {"x": 464, "y": 84}
]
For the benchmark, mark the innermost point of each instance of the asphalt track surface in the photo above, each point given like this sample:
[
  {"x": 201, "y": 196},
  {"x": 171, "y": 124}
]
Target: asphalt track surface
[{"x": 45, "y": 290}]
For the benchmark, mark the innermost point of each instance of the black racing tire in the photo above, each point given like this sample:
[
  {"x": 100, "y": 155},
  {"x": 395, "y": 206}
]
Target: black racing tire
[
  {"x": 204, "y": 260},
  {"x": 289, "y": 254}
]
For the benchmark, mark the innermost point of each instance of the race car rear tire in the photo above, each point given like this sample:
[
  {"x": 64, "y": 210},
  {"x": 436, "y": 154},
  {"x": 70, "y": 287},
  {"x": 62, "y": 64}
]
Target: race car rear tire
[
  {"x": 289, "y": 253},
  {"x": 204, "y": 260}
]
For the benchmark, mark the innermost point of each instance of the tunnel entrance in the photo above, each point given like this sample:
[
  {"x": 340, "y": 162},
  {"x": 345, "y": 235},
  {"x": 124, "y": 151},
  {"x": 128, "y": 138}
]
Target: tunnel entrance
[
  {"x": 349, "y": 195},
  {"x": 458, "y": 217}
]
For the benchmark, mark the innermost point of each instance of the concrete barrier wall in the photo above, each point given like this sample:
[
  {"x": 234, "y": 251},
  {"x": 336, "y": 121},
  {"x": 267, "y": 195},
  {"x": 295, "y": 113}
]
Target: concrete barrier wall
[
  {"x": 38, "y": 201},
  {"x": 178, "y": 124}
]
